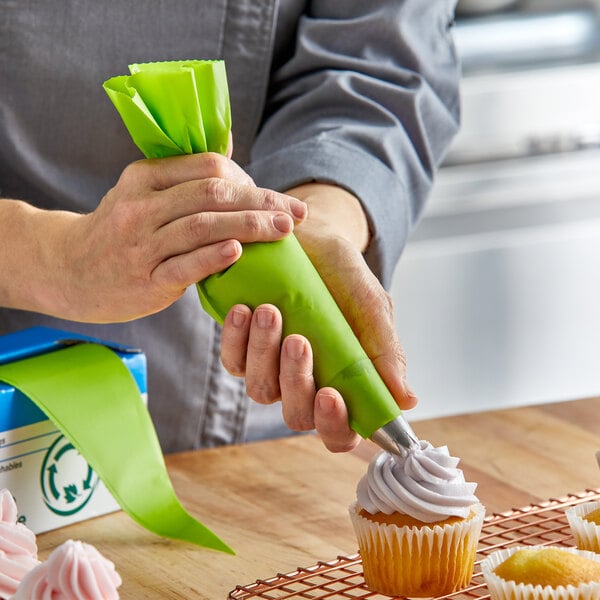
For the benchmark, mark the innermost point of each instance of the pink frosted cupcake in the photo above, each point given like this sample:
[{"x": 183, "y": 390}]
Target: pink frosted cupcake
[
  {"x": 417, "y": 523},
  {"x": 74, "y": 571},
  {"x": 18, "y": 548}
]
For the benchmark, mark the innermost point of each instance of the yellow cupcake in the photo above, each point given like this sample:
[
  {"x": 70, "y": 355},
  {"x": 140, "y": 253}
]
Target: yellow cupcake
[
  {"x": 584, "y": 521},
  {"x": 594, "y": 516},
  {"x": 417, "y": 523},
  {"x": 542, "y": 573},
  {"x": 402, "y": 556}
]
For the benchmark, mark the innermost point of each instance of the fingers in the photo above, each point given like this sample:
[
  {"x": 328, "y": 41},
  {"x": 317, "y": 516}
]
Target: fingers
[
  {"x": 178, "y": 272},
  {"x": 164, "y": 173},
  {"x": 297, "y": 383},
  {"x": 178, "y": 187},
  {"x": 183, "y": 218},
  {"x": 201, "y": 249},
  {"x": 200, "y": 246},
  {"x": 234, "y": 339},
  {"x": 205, "y": 228},
  {"x": 250, "y": 347},
  {"x": 331, "y": 421},
  {"x": 262, "y": 360},
  {"x": 392, "y": 368},
  {"x": 222, "y": 195}
]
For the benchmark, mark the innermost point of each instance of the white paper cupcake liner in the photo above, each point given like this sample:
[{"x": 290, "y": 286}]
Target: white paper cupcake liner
[
  {"x": 417, "y": 561},
  {"x": 501, "y": 589},
  {"x": 586, "y": 533}
]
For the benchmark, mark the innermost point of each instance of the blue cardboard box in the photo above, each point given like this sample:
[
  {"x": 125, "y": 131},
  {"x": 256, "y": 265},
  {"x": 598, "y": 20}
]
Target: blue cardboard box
[{"x": 51, "y": 482}]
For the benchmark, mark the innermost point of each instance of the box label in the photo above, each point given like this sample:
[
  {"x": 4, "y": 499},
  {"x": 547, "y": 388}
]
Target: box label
[{"x": 52, "y": 483}]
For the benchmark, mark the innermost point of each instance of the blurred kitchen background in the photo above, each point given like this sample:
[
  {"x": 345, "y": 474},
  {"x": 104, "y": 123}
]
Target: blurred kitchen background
[{"x": 497, "y": 296}]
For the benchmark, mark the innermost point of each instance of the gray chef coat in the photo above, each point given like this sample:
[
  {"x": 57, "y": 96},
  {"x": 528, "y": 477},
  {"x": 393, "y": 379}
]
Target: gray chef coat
[{"x": 358, "y": 93}]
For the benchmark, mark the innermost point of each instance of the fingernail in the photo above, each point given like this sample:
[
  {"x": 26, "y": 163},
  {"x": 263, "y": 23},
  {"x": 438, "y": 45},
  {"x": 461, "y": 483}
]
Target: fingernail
[
  {"x": 299, "y": 209},
  {"x": 230, "y": 248},
  {"x": 238, "y": 317},
  {"x": 264, "y": 318},
  {"x": 327, "y": 403},
  {"x": 283, "y": 223},
  {"x": 294, "y": 348}
]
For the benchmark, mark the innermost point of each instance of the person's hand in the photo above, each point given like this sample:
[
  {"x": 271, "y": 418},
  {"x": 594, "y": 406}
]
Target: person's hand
[
  {"x": 276, "y": 370},
  {"x": 165, "y": 225}
]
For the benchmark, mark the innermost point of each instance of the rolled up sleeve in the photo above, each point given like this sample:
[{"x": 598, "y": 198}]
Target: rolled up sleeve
[{"x": 368, "y": 101}]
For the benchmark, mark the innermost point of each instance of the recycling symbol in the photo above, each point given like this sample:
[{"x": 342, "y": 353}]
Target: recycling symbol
[{"x": 67, "y": 481}]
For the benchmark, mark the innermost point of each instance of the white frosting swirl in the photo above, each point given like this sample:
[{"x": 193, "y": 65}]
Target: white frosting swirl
[
  {"x": 74, "y": 571},
  {"x": 426, "y": 484},
  {"x": 18, "y": 548}
]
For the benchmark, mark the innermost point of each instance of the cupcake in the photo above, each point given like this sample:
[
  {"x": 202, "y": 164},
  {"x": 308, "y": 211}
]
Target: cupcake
[
  {"x": 74, "y": 571},
  {"x": 584, "y": 521},
  {"x": 417, "y": 523},
  {"x": 18, "y": 548},
  {"x": 542, "y": 573}
]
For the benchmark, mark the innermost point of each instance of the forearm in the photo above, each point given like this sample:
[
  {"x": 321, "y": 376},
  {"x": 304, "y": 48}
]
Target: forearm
[
  {"x": 165, "y": 225},
  {"x": 33, "y": 252}
]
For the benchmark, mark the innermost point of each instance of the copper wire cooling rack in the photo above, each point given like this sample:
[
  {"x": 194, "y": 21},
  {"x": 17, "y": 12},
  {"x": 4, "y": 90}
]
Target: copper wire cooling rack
[{"x": 342, "y": 579}]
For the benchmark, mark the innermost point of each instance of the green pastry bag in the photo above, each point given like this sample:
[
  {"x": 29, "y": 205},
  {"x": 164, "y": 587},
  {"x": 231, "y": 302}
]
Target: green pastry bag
[{"x": 159, "y": 105}]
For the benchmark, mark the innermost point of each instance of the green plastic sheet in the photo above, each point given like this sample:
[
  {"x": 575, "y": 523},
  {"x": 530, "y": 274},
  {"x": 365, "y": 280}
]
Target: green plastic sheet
[
  {"x": 276, "y": 272},
  {"x": 91, "y": 396}
]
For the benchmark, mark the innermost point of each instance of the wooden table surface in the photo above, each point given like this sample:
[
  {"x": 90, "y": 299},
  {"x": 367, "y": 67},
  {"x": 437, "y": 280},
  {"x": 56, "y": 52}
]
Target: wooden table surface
[{"x": 282, "y": 504}]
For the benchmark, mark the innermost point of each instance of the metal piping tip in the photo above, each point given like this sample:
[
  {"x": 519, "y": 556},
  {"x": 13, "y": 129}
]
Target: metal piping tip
[{"x": 396, "y": 437}]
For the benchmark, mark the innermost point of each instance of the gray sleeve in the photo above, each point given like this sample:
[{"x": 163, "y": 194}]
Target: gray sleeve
[{"x": 368, "y": 101}]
